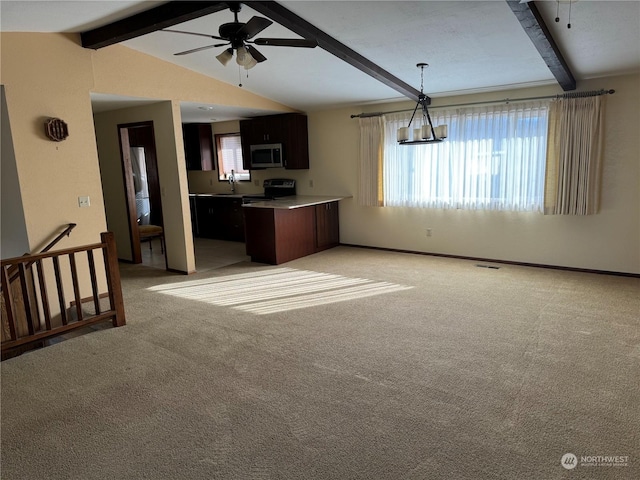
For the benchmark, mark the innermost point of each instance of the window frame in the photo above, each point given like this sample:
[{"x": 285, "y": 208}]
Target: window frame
[
  {"x": 246, "y": 174},
  {"x": 410, "y": 165}
]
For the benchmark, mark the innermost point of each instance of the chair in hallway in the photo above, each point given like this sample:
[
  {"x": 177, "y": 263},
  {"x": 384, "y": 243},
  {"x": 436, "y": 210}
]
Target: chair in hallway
[{"x": 149, "y": 232}]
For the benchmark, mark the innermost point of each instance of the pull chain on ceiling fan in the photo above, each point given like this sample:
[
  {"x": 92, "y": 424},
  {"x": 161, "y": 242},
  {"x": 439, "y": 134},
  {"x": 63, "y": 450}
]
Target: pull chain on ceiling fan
[{"x": 238, "y": 36}]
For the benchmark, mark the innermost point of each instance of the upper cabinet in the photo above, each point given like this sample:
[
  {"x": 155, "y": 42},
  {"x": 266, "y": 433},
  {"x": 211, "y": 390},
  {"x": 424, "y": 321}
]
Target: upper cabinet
[
  {"x": 289, "y": 129},
  {"x": 261, "y": 130},
  {"x": 198, "y": 146}
]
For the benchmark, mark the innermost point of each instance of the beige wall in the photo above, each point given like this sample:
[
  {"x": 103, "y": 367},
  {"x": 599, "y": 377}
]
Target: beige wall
[
  {"x": 172, "y": 175},
  {"x": 123, "y": 71},
  {"x": 48, "y": 76},
  {"x": 51, "y": 75},
  {"x": 607, "y": 241}
]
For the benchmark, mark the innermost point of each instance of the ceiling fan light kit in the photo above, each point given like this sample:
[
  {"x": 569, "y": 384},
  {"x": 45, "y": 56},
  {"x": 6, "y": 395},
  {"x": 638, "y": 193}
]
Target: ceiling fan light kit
[
  {"x": 238, "y": 36},
  {"x": 426, "y": 133}
]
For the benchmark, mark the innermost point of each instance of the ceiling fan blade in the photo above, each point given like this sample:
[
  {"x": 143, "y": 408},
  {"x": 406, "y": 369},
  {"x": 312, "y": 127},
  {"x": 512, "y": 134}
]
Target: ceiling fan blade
[
  {"x": 199, "y": 49},
  {"x": 286, "y": 42},
  {"x": 255, "y": 54},
  {"x": 193, "y": 33},
  {"x": 254, "y": 26}
]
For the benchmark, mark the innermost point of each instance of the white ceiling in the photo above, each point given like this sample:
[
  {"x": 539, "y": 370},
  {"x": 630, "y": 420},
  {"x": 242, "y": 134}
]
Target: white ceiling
[{"x": 471, "y": 46}]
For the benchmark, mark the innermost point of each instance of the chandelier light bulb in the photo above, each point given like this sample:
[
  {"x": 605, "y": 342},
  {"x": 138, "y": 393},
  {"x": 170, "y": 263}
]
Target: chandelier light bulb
[
  {"x": 403, "y": 134},
  {"x": 441, "y": 131},
  {"x": 426, "y": 132}
]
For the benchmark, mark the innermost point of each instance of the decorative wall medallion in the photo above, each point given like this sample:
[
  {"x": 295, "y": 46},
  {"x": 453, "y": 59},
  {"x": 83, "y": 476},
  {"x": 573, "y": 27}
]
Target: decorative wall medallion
[{"x": 56, "y": 129}]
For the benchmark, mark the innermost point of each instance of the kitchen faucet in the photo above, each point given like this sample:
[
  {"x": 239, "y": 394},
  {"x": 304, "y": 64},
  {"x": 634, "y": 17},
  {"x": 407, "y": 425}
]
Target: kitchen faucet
[{"x": 232, "y": 181}]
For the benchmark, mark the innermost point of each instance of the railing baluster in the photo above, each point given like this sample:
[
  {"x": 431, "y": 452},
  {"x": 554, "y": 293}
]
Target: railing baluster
[
  {"x": 110, "y": 255},
  {"x": 59, "y": 285},
  {"x": 26, "y": 297},
  {"x": 24, "y": 273},
  {"x": 94, "y": 282},
  {"x": 44, "y": 295},
  {"x": 76, "y": 286},
  {"x": 8, "y": 303}
]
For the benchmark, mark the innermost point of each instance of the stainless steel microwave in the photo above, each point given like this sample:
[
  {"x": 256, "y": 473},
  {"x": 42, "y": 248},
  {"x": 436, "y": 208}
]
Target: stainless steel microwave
[{"x": 267, "y": 155}]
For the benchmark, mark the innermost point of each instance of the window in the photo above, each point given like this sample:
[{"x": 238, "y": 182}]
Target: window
[
  {"x": 493, "y": 159},
  {"x": 229, "y": 149}
]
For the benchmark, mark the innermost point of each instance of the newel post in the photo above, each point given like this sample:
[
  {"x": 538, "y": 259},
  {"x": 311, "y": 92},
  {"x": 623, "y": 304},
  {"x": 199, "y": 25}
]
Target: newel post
[{"x": 113, "y": 277}]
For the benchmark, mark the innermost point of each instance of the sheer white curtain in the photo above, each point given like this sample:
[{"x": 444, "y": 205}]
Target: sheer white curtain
[
  {"x": 493, "y": 159},
  {"x": 370, "y": 166},
  {"x": 574, "y": 157}
]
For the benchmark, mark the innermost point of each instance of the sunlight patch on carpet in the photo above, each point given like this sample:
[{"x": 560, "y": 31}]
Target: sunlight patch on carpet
[{"x": 277, "y": 290}]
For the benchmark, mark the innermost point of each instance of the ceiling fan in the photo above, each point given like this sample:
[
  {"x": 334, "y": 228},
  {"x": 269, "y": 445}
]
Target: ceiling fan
[{"x": 238, "y": 35}]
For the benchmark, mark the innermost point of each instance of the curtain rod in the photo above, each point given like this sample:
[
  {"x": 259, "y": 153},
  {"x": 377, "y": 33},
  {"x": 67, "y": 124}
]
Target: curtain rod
[{"x": 591, "y": 93}]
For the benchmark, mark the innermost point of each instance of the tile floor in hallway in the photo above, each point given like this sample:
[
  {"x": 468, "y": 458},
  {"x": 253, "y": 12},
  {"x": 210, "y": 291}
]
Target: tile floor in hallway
[{"x": 210, "y": 253}]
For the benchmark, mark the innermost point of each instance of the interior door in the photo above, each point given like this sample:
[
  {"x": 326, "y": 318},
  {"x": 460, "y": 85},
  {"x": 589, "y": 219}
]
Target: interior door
[{"x": 141, "y": 180}]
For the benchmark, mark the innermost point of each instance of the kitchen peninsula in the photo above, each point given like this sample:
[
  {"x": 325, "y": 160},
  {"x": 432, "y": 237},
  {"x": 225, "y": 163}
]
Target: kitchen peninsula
[{"x": 277, "y": 231}]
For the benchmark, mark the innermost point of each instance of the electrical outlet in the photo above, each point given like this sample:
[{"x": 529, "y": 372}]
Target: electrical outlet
[
  {"x": 84, "y": 202},
  {"x": 428, "y": 232},
  {"x": 211, "y": 182},
  {"x": 256, "y": 182},
  {"x": 311, "y": 183}
]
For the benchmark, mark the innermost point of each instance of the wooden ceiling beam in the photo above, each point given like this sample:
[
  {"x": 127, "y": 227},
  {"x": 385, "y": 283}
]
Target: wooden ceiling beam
[
  {"x": 175, "y": 12},
  {"x": 533, "y": 24},
  {"x": 157, "y": 18},
  {"x": 296, "y": 24}
]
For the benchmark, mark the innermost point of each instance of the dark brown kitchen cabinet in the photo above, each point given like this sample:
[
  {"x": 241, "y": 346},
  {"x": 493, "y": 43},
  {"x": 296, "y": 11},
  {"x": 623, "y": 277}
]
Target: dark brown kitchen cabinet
[
  {"x": 289, "y": 129},
  {"x": 278, "y": 235},
  {"x": 198, "y": 146},
  {"x": 262, "y": 130},
  {"x": 194, "y": 216},
  {"x": 327, "y": 226},
  {"x": 205, "y": 216},
  {"x": 232, "y": 220},
  {"x": 219, "y": 217}
]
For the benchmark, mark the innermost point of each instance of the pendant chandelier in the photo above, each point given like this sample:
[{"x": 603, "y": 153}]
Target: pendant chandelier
[{"x": 426, "y": 133}]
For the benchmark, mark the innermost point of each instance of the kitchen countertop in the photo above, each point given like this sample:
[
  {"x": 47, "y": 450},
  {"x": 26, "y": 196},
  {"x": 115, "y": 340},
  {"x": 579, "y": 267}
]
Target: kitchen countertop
[
  {"x": 221, "y": 195},
  {"x": 295, "y": 201}
]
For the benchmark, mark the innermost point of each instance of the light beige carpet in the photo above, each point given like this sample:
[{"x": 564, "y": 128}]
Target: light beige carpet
[{"x": 472, "y": 373}]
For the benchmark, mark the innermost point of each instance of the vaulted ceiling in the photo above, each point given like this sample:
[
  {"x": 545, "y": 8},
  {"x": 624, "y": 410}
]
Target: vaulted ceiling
[{"x": 369, "y": 49}]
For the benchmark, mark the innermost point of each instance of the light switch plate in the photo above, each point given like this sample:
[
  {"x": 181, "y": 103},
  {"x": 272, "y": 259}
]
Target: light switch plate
[{"x": 83, "y": 202}]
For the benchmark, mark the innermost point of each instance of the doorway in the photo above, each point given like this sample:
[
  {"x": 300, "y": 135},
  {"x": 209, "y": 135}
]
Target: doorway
[{"x": 142, "y": 185}]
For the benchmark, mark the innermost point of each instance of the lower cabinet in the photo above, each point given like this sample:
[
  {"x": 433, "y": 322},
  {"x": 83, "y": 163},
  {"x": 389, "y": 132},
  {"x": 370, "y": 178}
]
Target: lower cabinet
[
  {"x": 327, "y": 226},
  {"x": 220, "y": 218},
  {"x": 194, "y": 218},
  {"x": 275, "y": 235}
]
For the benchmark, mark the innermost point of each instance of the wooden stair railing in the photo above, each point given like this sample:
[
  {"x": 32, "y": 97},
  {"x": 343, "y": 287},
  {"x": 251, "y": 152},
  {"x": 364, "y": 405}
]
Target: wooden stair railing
[
  {"x": 13, "y": 273},
  {"x": 19, "y": 301},
  {"x": 29, "y": 295}
]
